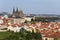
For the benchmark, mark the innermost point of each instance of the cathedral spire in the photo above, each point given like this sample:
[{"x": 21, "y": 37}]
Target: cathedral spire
[
  {"x": 17, "y": 10},
  {"x": 13, "y": 10}
]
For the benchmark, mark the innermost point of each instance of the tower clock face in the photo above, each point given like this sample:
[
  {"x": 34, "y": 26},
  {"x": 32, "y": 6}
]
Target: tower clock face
[{"x": 1, "y": 21}]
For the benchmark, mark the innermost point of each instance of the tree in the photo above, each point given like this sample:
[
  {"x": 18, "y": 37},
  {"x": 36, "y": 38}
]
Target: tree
[
  {"x": 24, "y": 35},
  {"x": 25, "y": 21},
  {"x": 36, "y": 36},
  {"x": 32, "y": 19},
  {"x": 55, "y": 38}
]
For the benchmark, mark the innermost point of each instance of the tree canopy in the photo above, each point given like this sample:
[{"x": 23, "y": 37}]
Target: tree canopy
[{"x": 24, "y": 35}]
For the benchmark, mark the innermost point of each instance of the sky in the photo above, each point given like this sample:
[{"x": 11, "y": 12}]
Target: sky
[{"x": 31, "y": 6}]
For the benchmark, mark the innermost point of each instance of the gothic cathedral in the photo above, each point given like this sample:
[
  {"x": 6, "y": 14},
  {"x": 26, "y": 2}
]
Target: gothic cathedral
[{"x": 17, "y": 13}]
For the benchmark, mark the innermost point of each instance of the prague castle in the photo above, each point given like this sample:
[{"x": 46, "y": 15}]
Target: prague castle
[
  {"x": 17, "y": 13},
  {"x": 17, "y": 16}
]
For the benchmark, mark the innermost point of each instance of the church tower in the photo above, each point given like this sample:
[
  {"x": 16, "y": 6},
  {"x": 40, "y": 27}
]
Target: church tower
[
  {"x": 13, "y": 11},
  {"x": 21, "y": 14},
  {"x": 16, "y": 10},
  {"x": 17, "y": 13}
]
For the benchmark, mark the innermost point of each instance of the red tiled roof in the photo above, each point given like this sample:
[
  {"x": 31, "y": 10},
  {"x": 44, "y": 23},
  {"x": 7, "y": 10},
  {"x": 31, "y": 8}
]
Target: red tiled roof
[{"x": 51, "y": 32}]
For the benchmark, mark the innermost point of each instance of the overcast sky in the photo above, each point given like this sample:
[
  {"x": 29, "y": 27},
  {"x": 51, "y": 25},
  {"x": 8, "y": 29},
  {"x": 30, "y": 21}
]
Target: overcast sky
[{"x": 31, "y": 6}]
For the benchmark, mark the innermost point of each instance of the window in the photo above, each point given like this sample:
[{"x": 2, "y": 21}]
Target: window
[{"x": 46, "y": 39}]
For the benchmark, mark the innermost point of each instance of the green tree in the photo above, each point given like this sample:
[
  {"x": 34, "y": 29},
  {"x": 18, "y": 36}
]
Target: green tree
[
  {"x": 25, "y": 21},
  {"x": 36, "y": 36},
  {"x": 24, "y": 35},
  {"x": 32, "y": 21}
]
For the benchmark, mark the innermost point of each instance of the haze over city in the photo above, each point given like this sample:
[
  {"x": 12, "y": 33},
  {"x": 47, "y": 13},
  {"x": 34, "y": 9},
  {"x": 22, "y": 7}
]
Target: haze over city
[{"x": 31, "y": 6}]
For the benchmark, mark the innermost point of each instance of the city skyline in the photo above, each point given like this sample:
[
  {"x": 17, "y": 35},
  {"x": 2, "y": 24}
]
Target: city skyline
[{"x": 31, "y": 6}]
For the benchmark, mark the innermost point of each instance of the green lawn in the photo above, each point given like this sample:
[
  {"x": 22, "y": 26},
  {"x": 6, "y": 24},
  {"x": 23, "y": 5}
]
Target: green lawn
[{"x": 4, "y": 35}]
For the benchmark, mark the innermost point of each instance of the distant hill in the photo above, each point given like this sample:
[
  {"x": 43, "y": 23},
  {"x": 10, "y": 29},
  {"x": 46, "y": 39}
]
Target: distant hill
[
  {"x": 41, "y": 15},
  {"x": 4, "y": 13}
]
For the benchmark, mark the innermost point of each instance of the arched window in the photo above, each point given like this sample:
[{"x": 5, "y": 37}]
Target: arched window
[{"x": 46, "y": 39}]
